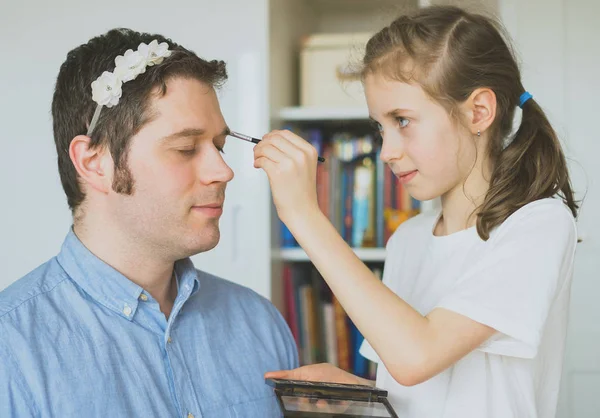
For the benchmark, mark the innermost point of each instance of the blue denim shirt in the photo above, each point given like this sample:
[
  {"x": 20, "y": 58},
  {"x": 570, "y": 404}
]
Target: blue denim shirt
[{"x": 78, "y": 339}]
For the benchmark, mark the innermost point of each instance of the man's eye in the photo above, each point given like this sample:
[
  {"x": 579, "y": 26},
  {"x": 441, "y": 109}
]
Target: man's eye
[{"x": 187, "y": 152}]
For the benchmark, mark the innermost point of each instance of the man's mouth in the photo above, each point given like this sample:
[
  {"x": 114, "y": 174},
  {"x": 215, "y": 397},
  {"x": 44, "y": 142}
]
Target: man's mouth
[{"x": 210, "y": 209}]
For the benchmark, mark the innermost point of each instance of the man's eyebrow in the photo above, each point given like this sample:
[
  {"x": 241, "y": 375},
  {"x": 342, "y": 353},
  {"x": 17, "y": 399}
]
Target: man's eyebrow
[
  {"x": 188, "y": 132},
  {"x": 184, "y": 133}
]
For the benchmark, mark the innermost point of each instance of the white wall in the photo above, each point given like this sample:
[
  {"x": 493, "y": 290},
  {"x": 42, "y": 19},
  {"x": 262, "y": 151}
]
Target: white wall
[
  {"x": 557, "y": 41},
  {"x": 34, "y": 217}
]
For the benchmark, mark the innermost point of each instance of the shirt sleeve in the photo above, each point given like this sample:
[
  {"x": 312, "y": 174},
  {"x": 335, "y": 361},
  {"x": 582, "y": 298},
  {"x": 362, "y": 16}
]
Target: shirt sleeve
[
  {"x": 15, "y": 398},
  {"x": 513, "y": 286},
  {"x": 291, "y": 350}
]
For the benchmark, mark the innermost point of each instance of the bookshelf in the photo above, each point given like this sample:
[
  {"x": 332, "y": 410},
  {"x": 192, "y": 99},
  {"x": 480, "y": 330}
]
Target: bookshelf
[
  {"x": 313, "y": 113},
  {"x": 316, "y": 319}
]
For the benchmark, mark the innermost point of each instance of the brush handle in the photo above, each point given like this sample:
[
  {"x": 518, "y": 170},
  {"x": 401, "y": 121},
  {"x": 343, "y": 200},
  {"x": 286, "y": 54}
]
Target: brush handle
[{"x": 256, "y": 141}]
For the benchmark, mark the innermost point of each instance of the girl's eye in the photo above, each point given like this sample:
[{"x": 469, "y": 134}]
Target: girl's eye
[{"x": 403, "y": 122}]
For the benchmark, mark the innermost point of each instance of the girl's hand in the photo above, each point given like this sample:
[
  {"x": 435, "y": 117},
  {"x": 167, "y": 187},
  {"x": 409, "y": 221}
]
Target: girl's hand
[
  {"x": 323, "y": 372},
  {"x": 291, "y": 166}
]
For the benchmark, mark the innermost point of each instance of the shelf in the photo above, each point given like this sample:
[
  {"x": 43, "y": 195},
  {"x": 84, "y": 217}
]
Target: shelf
[
  {"x": 357, "y": 6},
  {"x": 298, "y": 254},
  {"x": 323, "y": 113}
]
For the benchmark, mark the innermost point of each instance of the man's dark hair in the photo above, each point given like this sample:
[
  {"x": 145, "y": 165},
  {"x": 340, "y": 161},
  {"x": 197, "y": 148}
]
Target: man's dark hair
[{"x": 73, "y": 107}]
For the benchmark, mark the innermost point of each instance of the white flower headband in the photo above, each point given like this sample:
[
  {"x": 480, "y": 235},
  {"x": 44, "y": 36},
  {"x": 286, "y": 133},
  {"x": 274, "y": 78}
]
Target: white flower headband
[{"x": 106, "y": 90}]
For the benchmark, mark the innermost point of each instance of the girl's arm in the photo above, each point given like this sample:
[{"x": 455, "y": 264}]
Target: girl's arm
[{"x": 413, "y": 347}]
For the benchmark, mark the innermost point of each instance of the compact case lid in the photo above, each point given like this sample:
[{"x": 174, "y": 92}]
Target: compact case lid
[{"x": 323, "y": 400}]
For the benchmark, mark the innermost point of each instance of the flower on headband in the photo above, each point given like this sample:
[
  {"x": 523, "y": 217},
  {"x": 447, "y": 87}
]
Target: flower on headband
[
  {"x": 130, "y": 65},
  {"x": 154, "y": 53},
  {"x": 106, "y": 90}
]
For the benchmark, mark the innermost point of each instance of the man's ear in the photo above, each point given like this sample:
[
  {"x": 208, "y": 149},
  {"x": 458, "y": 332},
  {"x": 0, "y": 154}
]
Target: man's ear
[
  {"x": 480, "y": 109},
  {"x": 94, "y": 165}
]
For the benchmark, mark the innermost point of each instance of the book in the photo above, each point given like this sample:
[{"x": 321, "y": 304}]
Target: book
[{"x": 325, "y": 332}]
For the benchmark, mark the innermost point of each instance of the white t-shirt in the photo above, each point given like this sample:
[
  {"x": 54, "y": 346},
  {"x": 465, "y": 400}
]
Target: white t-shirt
[{"x": 518, "y": 282}]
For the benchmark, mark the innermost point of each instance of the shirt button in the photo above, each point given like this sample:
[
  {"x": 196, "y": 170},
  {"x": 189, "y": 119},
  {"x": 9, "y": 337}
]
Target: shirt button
[
  {"x": 190, "y": 415},
  {"x": 127, "y": 310},
  {"x": 169, "y": 340},
  {"x": 143, "y": 297}
]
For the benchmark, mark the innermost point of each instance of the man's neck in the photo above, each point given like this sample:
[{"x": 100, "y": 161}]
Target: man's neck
[{"x": 133, "y": 260}]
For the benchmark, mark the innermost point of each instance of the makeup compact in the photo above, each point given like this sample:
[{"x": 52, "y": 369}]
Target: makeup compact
[{"x": 327, "y": 400}]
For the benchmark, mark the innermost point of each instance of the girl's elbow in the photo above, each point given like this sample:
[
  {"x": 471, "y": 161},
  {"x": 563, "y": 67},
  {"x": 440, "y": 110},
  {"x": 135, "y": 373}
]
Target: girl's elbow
[
  {"x": 408, "y": 379},
  {"x": 410, "y": 374}
]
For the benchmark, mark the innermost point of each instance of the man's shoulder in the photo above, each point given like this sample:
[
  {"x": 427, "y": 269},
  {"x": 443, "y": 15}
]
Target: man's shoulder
[
  {"x": 221, "y": 288},
  {"x": 35, "y": 284},
  {"x": 234, "y": 306},
  {"x": 234, "y": 299}
]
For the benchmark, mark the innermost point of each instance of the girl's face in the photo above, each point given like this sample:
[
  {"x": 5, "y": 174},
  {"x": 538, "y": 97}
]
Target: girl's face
[{"x": 424, "y": 148}]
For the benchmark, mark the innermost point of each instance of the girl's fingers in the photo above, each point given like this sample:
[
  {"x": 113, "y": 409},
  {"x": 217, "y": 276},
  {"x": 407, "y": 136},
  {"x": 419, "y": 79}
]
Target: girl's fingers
[
  {"x": 280, "y": 374},
  {"x": 267, "y": 150},
  {"x": 283, "y": 144},
  {"x": 299, "y": 142},
  {"x": 266, "y": 164}
]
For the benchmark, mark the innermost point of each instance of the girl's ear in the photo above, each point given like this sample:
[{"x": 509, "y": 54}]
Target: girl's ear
[{"x": 480, "y": 110}]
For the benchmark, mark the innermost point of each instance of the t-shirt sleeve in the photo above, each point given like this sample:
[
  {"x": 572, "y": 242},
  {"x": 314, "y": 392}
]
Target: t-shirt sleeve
[
  {"x": 368, "y": 352},
  {"x": 513, "y": 286}
]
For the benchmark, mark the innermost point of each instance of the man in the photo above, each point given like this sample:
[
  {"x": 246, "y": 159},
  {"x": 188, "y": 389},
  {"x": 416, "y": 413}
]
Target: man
[{"x": 120, "y": 323}]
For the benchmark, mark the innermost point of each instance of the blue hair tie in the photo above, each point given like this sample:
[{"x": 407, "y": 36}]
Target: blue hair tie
[{"x": 524, "y": 97}]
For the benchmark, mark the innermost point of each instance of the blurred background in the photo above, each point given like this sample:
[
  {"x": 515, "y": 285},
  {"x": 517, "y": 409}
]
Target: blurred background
[{"x": 288, "y": 67}]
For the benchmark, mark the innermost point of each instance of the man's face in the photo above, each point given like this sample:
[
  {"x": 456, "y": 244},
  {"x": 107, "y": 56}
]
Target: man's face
[{"x": 178, "y": 172}]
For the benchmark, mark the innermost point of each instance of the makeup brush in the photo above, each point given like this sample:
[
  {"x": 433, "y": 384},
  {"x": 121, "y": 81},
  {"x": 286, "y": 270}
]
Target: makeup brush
[{"x": 255, "y": 140}]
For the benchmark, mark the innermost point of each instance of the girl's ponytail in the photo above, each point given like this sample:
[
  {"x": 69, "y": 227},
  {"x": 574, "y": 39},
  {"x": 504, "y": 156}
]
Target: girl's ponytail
[{"x": 531, "y": 167}]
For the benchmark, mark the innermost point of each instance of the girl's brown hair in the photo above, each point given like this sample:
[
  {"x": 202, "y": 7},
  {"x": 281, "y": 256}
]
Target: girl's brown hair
[{"x": 450, "y": 53}]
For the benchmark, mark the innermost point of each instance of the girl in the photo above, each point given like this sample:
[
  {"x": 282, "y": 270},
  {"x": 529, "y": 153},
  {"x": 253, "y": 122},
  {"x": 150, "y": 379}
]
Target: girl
[{"x": 470, "y": 319}]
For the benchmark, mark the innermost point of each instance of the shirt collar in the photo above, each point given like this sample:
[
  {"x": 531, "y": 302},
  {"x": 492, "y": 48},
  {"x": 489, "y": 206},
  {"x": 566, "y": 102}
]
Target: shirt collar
[
  {"x": 188, "y": 282},
  {"x": 111, "y": 288}
]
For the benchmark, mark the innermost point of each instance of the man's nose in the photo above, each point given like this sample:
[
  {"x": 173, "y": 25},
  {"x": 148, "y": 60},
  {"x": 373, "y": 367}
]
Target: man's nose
[{"x": 214, "y": 169}]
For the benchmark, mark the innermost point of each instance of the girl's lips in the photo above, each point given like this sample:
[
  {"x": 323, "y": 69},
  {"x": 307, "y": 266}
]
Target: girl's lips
[{"x": 406, "y": 176}]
